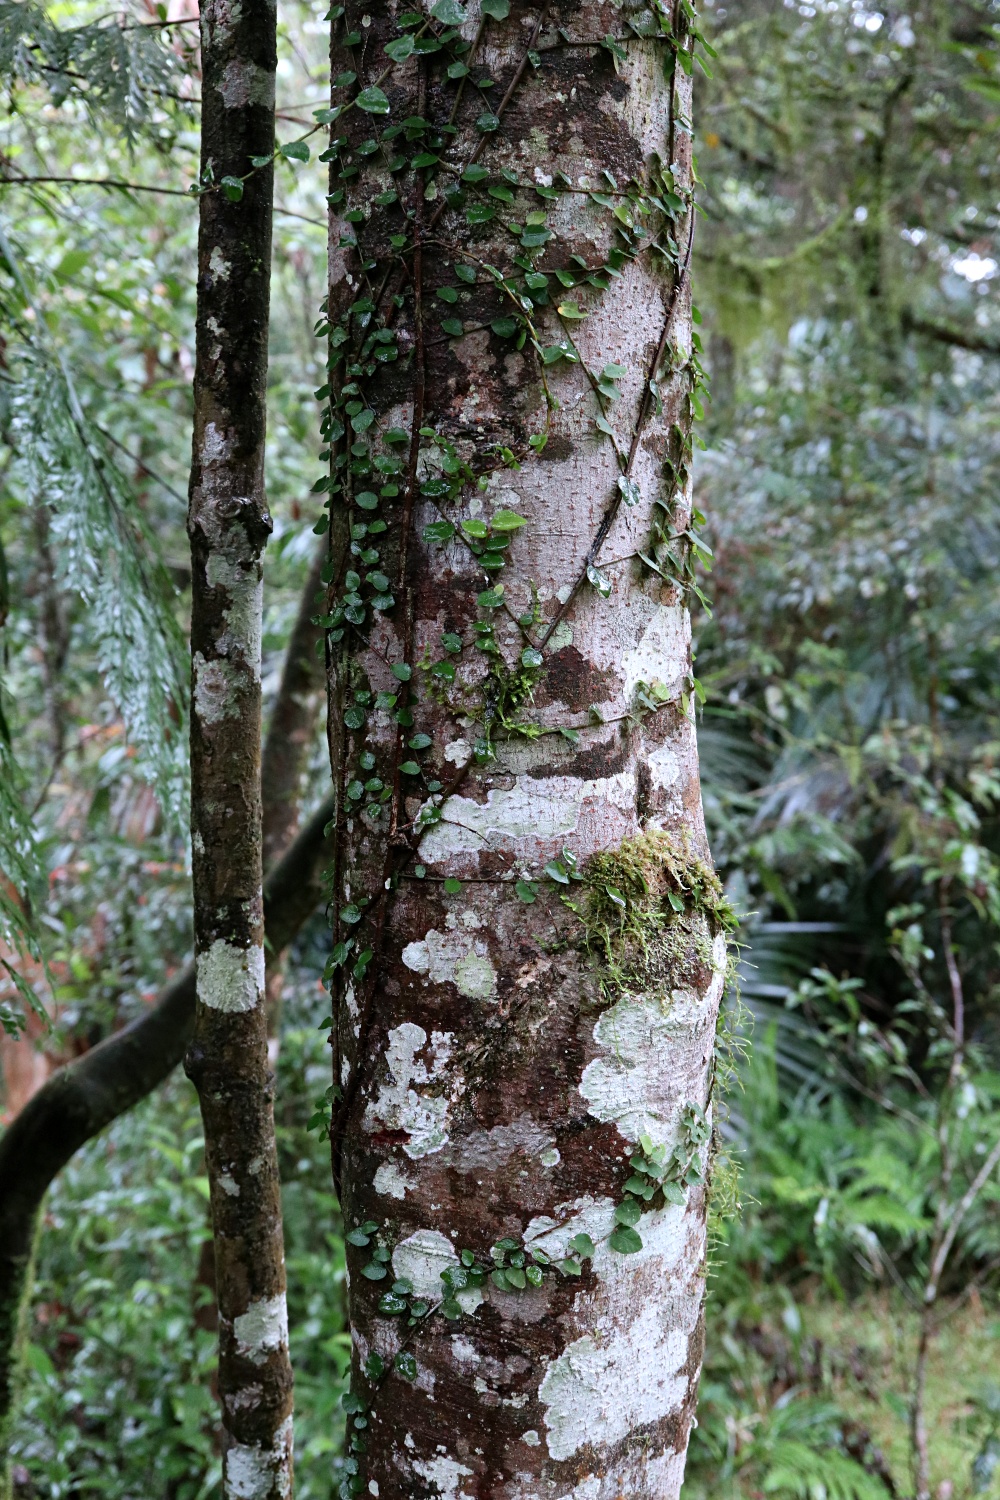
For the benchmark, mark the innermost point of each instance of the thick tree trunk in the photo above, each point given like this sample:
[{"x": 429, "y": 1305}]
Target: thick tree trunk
[
  {"x": 525, "y": 1057},
  {"x": 228, "y": 524}
]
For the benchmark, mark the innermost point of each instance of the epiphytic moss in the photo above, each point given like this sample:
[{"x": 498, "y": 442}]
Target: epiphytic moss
[{"x": 651, "y": 911}]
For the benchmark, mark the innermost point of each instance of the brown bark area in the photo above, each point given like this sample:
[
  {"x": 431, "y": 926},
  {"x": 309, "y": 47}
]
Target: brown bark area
[
  {"x": 491, "y": 1086},
  {"x": 228, "y": 524}
]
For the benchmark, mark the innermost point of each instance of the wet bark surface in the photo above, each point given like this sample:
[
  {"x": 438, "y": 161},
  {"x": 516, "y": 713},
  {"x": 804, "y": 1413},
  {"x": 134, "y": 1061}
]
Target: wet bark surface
[
  {"x": 494, "y": 1082},
  {"x": 228, "y": 524}
]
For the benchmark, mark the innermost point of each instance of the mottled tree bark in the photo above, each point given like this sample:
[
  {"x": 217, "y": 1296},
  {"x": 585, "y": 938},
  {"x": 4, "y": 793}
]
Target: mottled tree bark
[
  {"x": 502, "y": 1053},
  {"x": 228, "y": 524}
]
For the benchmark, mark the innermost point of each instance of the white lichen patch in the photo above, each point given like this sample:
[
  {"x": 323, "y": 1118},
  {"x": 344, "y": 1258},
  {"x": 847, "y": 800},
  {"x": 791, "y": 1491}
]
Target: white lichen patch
[
  {"x": 601, "y": 1388},
  {"x": 216, "y": 690},
  {"x": 661, "y": 653},
  {"x": 469, "y": 1299},
  {"x": 546, "y": 807},
  {"x": 587, "y": 1489},
  {"x": 444, "y": 1472},
  {"x": 593, "y": 1216},
  {"x": 390, "y": 1181},
  {"x": 454, "y": 958},
  {"x": 262, "y": 1329},
  {"x": 663, "y": 1234},
  {"x": 244, "y": 613},
  {"x": 216, "y": 446},
  {"x": 421, "y": 1258},
  {"x": 458, "y": 752},
  {"x": 231, "y": 978},
  {"x": 426, "y": 1122},
  {"x": 664, "y": 767},
  {"x": 243, "y": 82},
  {"x": 649, "y": 1056},
  {"x": 229, "y": 1185},
  {"x": 531, "y": 1438},
  {"x": 219, "y": 267},
  {"x": 475, "y": 977},
  {"x": 399, "y": 1106},
  {"x": 255, "y": 1473}
]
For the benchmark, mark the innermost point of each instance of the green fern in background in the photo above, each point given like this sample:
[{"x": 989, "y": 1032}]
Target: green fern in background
[{"x": 116, "y": 69}]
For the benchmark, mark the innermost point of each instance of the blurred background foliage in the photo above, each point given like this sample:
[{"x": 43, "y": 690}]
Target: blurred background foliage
[{"x": 847, "y": 281}]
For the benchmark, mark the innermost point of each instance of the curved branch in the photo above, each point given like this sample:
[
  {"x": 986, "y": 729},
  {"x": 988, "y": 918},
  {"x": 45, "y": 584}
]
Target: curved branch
[{"x": 972, "y": 339}]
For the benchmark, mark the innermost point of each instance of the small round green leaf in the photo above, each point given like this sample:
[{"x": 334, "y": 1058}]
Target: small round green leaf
[
  {"x": 625, "y": 1241},
  {"x": 372, "y": 101}
]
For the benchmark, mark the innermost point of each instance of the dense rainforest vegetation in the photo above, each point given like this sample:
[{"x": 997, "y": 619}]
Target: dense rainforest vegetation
[{"x": 845, "y": 273}]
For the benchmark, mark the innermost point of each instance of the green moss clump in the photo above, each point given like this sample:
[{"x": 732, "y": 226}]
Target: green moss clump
[{"x": 651, "y": 910}]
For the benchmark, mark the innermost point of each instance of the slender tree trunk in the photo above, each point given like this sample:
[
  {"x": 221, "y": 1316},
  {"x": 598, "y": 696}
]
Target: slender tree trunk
[
  {"x": 292, "y": 731},
  {"x": 531, "y": 942},
  {"x": 291, "y": 736},
  {"x": 228, "y": 524}
]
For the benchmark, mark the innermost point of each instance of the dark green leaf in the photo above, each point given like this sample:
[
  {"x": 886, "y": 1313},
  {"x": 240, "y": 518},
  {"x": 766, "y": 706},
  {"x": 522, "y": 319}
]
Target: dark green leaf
[
  {"x": 439, "y": 531},
  {"x": 373, "y": 101},
  {"x": 400, "y": 48},
  {"x": 625, "y": 1241}
]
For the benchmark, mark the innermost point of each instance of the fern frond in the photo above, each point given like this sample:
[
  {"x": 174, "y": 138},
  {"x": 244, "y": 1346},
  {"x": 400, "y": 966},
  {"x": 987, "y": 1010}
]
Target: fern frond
[
  {"x": 22, "y": 883},
  {"x": 117, "y": 71},
  {"x": 798, "y": 1471},
  {"x": 104, "y": 552}
]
